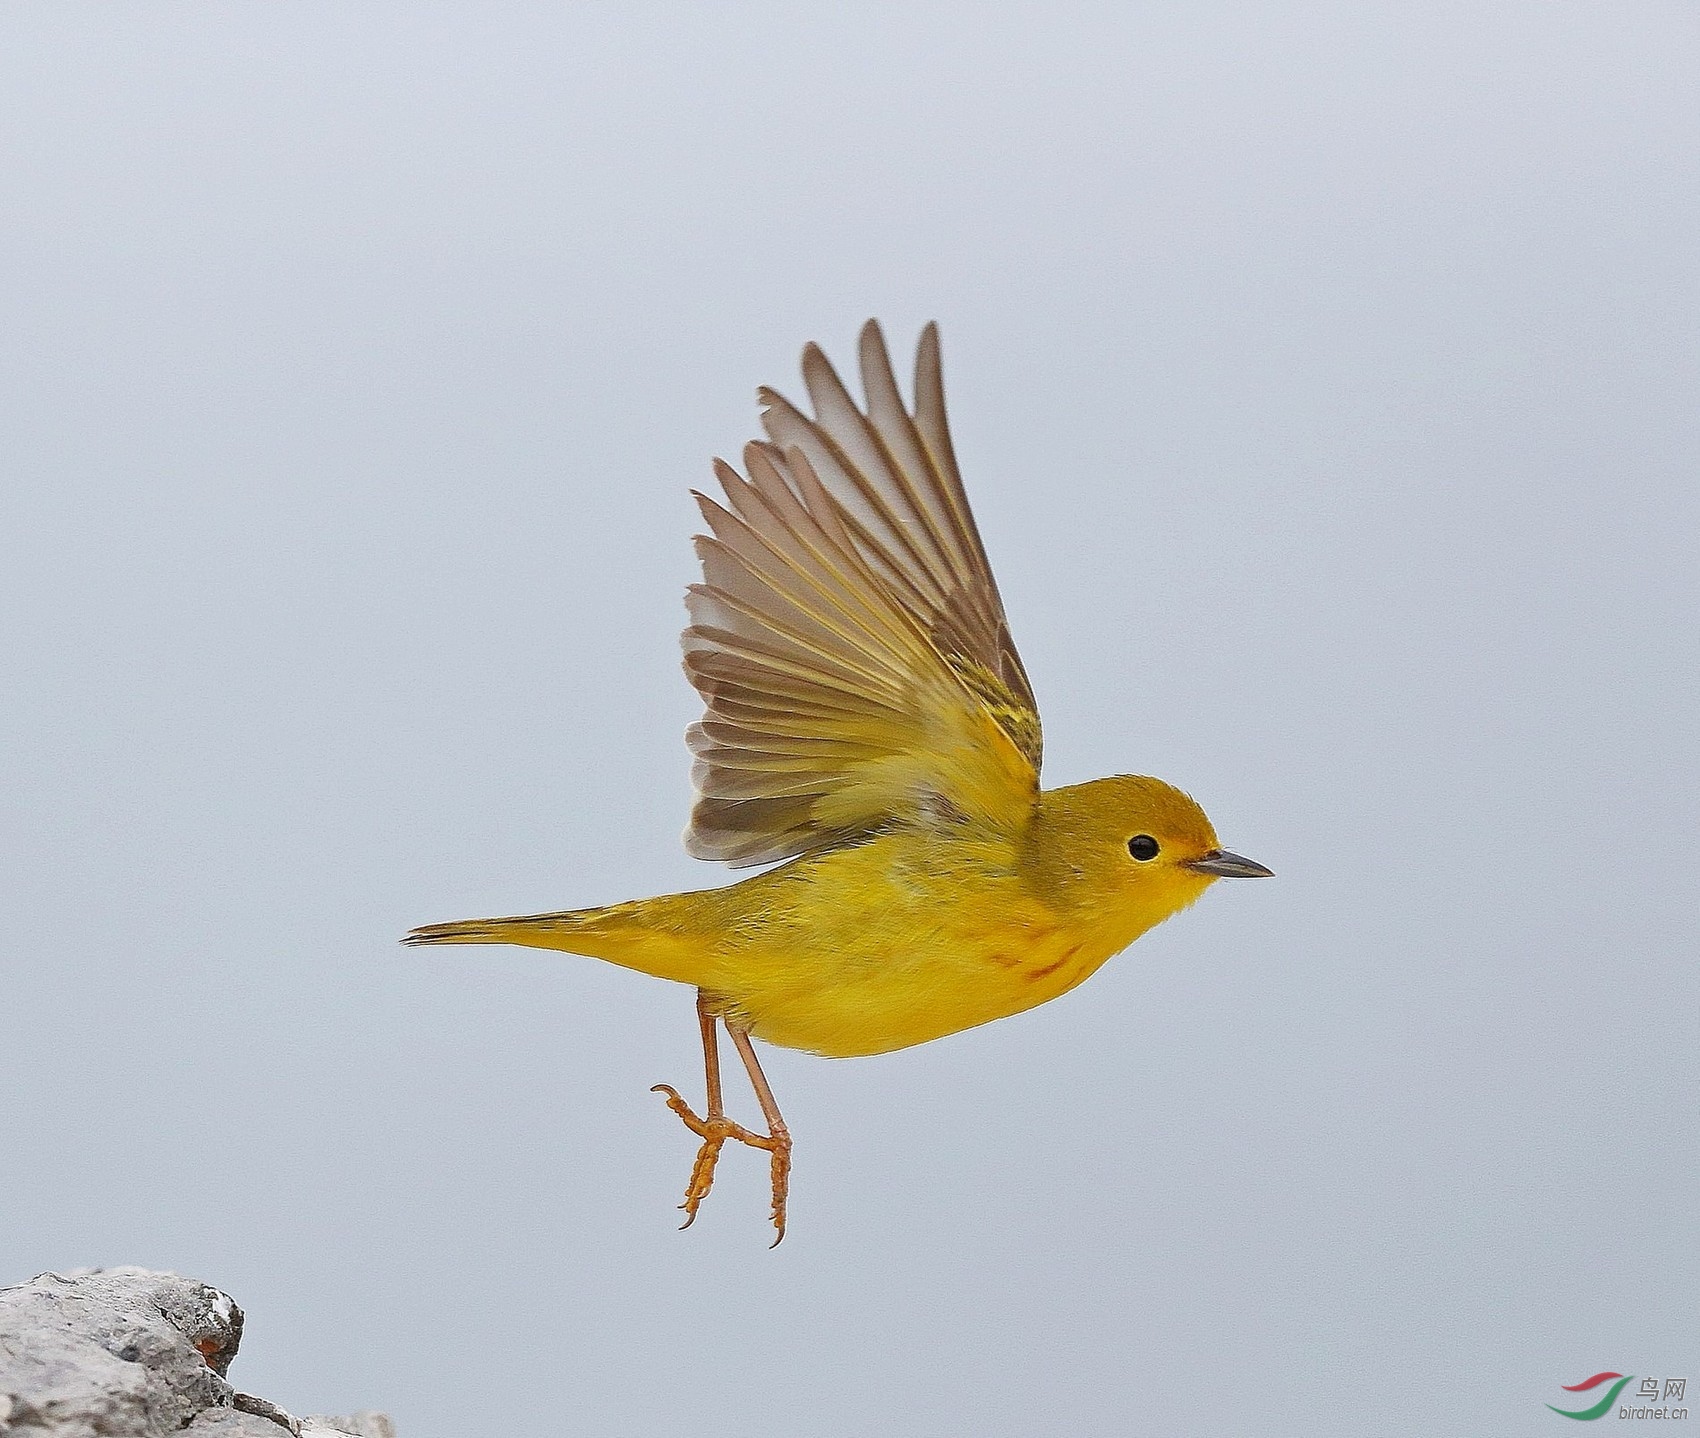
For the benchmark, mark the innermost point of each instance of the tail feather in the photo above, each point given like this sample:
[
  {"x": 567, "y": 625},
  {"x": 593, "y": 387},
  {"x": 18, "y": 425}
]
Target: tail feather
[
  {"x": 624, "y": 934},
  {"x": 546, "y": 931}
]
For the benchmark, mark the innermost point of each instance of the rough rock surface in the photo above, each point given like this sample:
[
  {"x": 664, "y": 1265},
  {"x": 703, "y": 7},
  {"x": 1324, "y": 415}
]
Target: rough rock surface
[{"x": 128, "y": 1353}]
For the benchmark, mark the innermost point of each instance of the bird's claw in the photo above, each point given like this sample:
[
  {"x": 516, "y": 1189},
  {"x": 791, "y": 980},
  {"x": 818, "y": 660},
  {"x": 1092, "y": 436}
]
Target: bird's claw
[{"x": 714, "y": 1131}]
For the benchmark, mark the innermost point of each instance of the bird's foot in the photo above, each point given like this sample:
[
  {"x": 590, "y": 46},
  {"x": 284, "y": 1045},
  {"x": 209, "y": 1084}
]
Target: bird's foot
[{"x": 714, "y": 1131}]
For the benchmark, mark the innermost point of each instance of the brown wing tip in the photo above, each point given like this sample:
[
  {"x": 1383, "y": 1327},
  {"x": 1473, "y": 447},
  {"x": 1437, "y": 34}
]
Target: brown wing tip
[
  {"x": 927, "y": 353},
  {"x": 818, "y": 374},
  {"x": 713, "y": 512},
  {"x": 771, "y": 402}
]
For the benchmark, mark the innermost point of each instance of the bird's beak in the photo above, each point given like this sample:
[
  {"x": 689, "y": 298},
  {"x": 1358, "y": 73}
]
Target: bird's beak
[{"x": 1220, "y": 864}]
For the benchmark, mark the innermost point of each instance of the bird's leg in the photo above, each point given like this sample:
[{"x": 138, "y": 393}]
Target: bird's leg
[
  {"x": 715, "y": 1128},
  {"x": 778, "y": 1142}
]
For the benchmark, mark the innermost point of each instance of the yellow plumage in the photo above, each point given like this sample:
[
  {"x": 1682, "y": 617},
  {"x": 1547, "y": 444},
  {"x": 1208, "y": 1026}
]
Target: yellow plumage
[
  {"x": 869, "y": 721},
  {"x": 903, "y": 938}
]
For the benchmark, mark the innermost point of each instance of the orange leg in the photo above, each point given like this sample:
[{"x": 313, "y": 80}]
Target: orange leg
[
  {"x": 778, "y": 1142},
  {"x": 715, "y": 1128}
]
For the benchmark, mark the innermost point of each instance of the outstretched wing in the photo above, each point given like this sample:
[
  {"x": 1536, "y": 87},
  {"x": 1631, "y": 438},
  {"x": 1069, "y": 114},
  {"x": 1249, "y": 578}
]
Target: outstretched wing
[{"x": 848, "y": 639}]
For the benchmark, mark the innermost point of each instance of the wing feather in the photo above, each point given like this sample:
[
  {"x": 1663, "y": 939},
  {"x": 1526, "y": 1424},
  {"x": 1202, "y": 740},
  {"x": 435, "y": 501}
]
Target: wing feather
[{"x": 848, "y": 639}]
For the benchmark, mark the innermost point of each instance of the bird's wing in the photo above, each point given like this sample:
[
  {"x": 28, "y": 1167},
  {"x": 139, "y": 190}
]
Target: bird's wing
[{"x": 848, "y": 639}]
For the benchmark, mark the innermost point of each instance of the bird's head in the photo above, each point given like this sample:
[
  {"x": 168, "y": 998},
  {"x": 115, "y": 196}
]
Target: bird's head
[{"x": 1125, "y": 853}]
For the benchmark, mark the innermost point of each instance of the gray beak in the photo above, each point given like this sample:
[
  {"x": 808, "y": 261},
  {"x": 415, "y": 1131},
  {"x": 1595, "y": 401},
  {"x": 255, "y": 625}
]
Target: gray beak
[{"x": 1220, "y": 864}]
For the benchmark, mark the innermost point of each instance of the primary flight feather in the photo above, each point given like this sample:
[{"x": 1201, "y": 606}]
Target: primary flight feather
[{"x": 868, "y": 719}]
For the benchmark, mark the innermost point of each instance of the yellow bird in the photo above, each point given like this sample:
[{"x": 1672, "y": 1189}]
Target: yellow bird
[{"x": 868, "y": 721}]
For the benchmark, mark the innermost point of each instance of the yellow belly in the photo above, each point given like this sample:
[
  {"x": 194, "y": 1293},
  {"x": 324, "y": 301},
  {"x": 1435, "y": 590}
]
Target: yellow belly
[
  {"x": 890, "y": 944},
  {"x": 905, "y": 1001}
]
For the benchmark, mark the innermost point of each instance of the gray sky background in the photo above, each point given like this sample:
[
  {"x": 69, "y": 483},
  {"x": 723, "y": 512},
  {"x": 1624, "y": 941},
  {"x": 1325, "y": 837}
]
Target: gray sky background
[{"x": 1324, "y": 376}]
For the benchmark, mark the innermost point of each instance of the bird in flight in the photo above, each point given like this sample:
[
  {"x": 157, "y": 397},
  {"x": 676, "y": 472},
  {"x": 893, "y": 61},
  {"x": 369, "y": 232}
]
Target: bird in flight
[{"x": 869, "y": 728}]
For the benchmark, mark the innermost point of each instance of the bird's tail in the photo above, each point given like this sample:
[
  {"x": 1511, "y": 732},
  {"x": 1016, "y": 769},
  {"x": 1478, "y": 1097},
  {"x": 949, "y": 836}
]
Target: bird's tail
[{"x": 632, "y": 935}]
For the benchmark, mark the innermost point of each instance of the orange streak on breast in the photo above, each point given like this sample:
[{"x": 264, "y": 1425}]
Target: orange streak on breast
[{"x": 1046, "y": 970}]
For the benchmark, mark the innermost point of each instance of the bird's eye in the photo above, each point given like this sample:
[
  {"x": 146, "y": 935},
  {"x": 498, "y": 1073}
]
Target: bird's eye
[{"x": 1143, "y": 847}]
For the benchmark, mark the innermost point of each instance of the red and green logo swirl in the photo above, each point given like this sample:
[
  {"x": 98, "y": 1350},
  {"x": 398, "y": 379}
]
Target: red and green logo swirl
[{"x": 1603, "y": 1407}]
